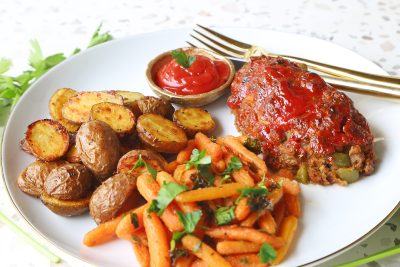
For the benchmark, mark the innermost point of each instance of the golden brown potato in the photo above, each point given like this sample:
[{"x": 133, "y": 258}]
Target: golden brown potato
[
  {"x": 127, "y": 161},
  {"x": 47, "y": 139},
  {"x": 120, "y": 118},
  {"x": 56, "y": 104},
  {"x": 65, "y": 207},
  {"x": 72, "y": 155},
  {"x": 98, "y": 147},
  {"x": 151, "y": 104},
  {"x": 160, "y": 134},
  {"x": 193, "y": 120},
  {"x": 77, "y": 108},
  {"x": 71, "y": 181},
  {"x": 129, "y": 96},
  {"x": 111, "y": 196},
  {"x": 31, "y": 179}
]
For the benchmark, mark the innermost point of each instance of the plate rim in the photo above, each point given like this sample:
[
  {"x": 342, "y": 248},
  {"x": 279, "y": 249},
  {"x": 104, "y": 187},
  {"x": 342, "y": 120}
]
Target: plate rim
[{"x": 77, "y": 257}]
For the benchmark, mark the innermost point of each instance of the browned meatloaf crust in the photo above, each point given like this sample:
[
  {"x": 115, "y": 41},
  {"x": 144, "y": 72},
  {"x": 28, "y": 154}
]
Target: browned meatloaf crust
[{"x": 299, "y": 119}]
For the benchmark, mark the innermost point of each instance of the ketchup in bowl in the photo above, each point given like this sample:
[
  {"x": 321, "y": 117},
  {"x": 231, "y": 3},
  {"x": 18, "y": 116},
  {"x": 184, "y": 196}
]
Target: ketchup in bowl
[{"x": 185, "y": 74}]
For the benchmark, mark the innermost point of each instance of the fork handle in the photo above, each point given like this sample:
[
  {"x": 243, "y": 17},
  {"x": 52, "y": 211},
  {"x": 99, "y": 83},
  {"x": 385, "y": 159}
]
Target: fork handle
[
  {"x": 362, "y": 87},
  {"x": 379, "y": 80}
]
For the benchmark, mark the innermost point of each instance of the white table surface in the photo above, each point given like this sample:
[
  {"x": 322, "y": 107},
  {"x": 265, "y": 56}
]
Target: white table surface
[{"x": 370, "y": 28}]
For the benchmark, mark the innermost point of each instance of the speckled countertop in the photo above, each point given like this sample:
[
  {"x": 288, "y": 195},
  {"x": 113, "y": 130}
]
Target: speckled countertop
[{"x": 370, "y": 28}]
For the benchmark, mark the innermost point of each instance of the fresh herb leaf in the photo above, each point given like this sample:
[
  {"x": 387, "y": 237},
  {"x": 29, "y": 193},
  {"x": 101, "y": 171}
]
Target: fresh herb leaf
[
  {"x": 224, "y": 215},
  {"x": 261, "y": 184},
  {"x": 202, "y": 163},
  {"x": 35, "y": 55},
  {"x": 99, "y": 38},
  {"x": 233, "y": 165},
  {"x": 189, "y": 220},
  {"x": 141, "y": 163},
  {"x": 198, "y": 158},
  {"x": 134, "y": 220},
  {"x": 5, "y": 65},
  {"x": 196, "y": 247},
  {"x": 176, "y": 236},
  {"x": 167, "y": 193},
  {"x": 256, "y": 199},
  {"x": 253, "y": 145},
  {"x": 182, "y": 58},
  {"x": 267, "y": 253},
  {"x": 251, "y": 191}
]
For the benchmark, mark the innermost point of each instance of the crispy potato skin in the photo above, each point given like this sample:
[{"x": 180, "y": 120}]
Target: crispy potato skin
[
  {"x": 120, "y": 118},
  {"x": 127, "y": 161},
  {"x": 65, "y": 207},
  {"x": 111, "y": 196},
  {"x": 151, "y": 104},
  {"x": 57, "y": 101},
  {"x": 47, "y": 139},
  {"x": 77, "y": 108},
  {"x": 72, "y": 155},
  {"x": 160, "y": 134},
  {"x": 193, "y": 120},
  {"x": 69, "y": 182},
  {"x": 32, "y": 178},
  {"x": 98, "y": 147}
]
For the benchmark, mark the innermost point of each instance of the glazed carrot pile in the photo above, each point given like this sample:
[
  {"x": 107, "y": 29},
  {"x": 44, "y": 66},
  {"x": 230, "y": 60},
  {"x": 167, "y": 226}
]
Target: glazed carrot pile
[{"x": 215, "y": 205}]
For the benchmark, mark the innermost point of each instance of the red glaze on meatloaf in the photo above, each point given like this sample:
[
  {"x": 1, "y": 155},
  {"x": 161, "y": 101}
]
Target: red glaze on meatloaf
[{"x": 300, "y": 119}]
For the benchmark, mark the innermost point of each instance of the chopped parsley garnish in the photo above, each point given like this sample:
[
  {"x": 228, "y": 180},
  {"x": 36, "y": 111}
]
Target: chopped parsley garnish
[
  {"x": 253, "y": 145},
  {"x": 224, "y": 215},
  {"x": 182, "y": 58},
  {"x": 202, "y": 163},
  {"x": 167, "y": 193},
  {"x": 233, "y": 165},
  {"x": 256, "y": 199},
  {"x": 141, "y": 163},
  {"x": 134, "y": 220},
  {"x": 189, "y": 221},
  {"x": 267, "y": 253}
]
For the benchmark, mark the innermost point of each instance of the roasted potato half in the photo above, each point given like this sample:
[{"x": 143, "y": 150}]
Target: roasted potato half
[
  {"x": 151, "y": 104},
  {"x": 129, "y": 96},
  {"x": 193, "y": 120},
  {"x": 77, "y": 108},
  {"x": 98, "y": 147},
  {"x": 65, "y": 207},
  {"x": 110, "y": 197},
  {"x": 31, "y": 179},
  {"x": 70, "y": 181},
  {"x": 72, "y": 155},
  {"x": 56, "y": 103},
  {"x": 127, "y": 161},
  {"x": 120, "y": 118},
  {"x": 47, "y": 139},
  {"x": 160, "y": 134}
]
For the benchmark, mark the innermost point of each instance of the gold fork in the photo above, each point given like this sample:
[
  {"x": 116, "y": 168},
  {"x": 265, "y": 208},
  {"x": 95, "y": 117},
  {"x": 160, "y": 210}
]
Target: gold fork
[{"x": 341, "y": 78}]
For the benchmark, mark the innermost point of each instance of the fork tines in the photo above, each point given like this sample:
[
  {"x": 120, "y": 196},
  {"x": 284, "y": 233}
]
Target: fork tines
[{"x": 220, "y": 43}]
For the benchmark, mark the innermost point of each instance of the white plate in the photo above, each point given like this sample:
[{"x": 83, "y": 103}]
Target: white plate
[{"x": 334, "y": 217}]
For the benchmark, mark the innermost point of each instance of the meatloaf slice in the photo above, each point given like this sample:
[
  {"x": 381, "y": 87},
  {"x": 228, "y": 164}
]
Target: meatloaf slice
[{"x": 303, "y": 124}]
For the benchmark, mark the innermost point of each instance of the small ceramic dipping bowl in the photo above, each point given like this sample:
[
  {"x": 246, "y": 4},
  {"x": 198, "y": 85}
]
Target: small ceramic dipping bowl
[{"x": 196, "y": 100}]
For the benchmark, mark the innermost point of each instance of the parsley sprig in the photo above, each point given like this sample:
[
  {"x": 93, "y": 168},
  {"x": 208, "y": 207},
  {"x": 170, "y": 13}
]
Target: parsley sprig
[
  {"x": 12, "y": 87},
  {"x": 202, "y": 163},
  {"x": 141, "y": 163},
  {"x": 182, "y": 58},
  {"x": 165, "y": 196},
  {"x": 267, "y": 253},
  {"x": 233, "y": 165},
  {"x": 189, "y": 221}
]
